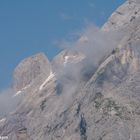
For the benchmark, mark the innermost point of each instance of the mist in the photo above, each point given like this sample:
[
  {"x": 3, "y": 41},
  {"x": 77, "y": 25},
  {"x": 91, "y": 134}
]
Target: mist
[
  {"x": 8, "y": 102},
  {"x": 96, "y": 45}
]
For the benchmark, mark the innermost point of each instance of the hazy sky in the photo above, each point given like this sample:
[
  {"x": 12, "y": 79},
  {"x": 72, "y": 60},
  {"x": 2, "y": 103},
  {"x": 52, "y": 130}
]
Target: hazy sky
[{"x": 31, "y": 26}]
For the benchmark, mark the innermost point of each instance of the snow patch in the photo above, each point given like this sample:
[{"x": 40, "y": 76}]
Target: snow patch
[
  {"x": 47, "y": 80},
  {"x": 26, "y": 87},
  {"x": 73, "y": 59},
  {"x": 20, "y": 91},
  {"x": 2, "y": 120},
  {"x": 83, "y": 39},
  {"x": 66, "y": 60}
]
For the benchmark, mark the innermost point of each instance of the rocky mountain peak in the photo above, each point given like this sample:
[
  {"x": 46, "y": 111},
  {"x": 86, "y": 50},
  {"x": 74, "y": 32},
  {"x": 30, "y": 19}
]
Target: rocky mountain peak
[
  {"x": 30, "y": 69},
  {"x": 125, "y": 15},
  {"x": 68, "y": 57},
  {"x": 106, "y": 106}
]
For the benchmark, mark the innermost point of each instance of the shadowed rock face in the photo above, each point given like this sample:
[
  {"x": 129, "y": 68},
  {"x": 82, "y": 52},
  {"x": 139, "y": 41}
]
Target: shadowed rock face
[
  {"x": 22, "y": 134},
  {"x": 106, "y": 107},
  {"x": 30, "y": 69}
]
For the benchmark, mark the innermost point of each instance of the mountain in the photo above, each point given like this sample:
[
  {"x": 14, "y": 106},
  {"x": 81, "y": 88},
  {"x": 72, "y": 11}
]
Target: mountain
[
  {"x": 68, "y": 99},
  {"x": 124, "y": 16},
  {"x": 30, "y": 70}
]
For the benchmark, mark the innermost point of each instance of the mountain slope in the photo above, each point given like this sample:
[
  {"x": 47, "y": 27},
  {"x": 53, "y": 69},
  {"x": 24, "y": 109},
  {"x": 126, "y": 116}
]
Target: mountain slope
[{"x": 105, "y": 106}]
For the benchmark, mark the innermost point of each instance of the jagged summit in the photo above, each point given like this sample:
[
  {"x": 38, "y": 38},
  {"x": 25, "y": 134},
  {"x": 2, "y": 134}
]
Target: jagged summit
[
  {"x": 30, "y": 69},
  {"x": 68, "y": 56},
  {"x": 124, "y": 16},
  {"x": 105, "y": 107}
]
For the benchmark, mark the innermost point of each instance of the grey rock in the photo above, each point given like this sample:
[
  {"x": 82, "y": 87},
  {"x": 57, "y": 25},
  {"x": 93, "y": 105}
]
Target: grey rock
[
  {"x": 105, "y": 107},
  {"x": 30, "y": 69},
  {"x": 125, "y": 15},
  {"x": 66, "y": 57}
]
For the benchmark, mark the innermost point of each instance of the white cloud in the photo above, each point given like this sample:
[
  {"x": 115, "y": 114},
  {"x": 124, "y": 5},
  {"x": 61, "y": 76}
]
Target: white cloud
[
  {"x": 8, "y": 103},
  {"x": 65, "y": 16},
  {"x": 91, "y": 4},
  {"x": 95, "y": 45},
  {"x": 93, "y": 42}
]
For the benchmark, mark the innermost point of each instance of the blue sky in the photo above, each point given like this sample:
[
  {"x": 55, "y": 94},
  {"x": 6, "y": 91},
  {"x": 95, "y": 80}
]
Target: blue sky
[{"x": 31, "y": 26}]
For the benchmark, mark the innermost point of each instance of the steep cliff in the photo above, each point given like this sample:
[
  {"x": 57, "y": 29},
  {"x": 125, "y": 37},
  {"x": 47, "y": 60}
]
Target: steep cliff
[{"x": 105, "y": 106}]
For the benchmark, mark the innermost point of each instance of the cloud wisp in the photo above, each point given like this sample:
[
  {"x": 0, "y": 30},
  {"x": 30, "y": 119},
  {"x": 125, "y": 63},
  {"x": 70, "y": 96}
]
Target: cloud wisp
[
  {"x": 66, "y": 17},
  {"x": 8, "y": 102},
  {"x": 95, "y": 45}
]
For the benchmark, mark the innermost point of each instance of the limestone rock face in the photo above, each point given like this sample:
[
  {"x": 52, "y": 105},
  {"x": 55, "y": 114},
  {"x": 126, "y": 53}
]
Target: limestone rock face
[
  {"x": 30, "y": 69},
  {"x": 105, "y": 107},
  {"x": 67, "y": 57},
  {"x": 123, "y": 16}
]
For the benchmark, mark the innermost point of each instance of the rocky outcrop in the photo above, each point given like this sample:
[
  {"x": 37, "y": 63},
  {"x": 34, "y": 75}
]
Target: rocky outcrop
[
  {"x": 106, "y": 107},
  {"x": 125, "y": 15},
  {"x": 30, "y": 69},
  {"x": 66, "y": 57}
]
